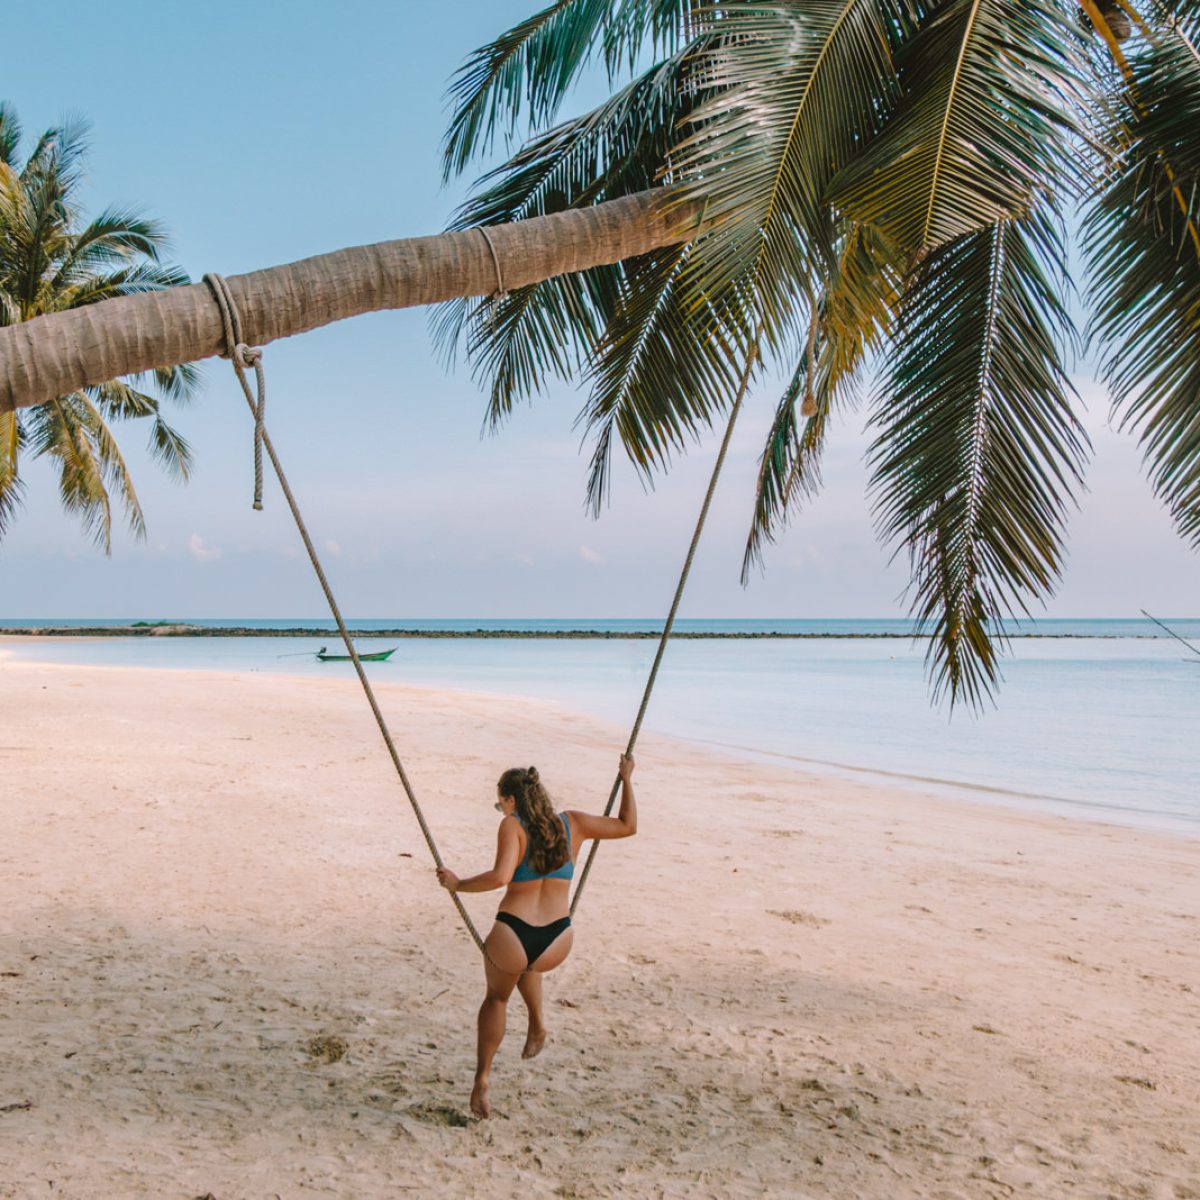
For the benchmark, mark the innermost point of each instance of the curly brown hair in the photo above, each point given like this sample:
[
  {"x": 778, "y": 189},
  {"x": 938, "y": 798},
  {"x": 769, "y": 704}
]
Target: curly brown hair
[{"x": 547, "y": 839}]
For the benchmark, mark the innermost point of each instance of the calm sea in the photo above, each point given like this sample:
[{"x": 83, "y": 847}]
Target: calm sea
[{"x": 1097, "y": 719}]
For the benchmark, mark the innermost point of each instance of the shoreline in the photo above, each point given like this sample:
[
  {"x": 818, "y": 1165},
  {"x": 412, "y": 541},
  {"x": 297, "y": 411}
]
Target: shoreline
[
  {"x": 227, "y": 967},
  {"x": 965, "y": 793}
]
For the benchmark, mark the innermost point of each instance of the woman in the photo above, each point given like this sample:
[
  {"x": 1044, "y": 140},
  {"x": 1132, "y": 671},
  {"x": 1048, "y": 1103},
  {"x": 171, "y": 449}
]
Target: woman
[{"x": 535, "y": 860}]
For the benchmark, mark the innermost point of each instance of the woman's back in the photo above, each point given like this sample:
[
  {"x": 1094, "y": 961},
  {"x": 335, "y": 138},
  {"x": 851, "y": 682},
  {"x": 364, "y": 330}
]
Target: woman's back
[{"x": 540, "y": 896}]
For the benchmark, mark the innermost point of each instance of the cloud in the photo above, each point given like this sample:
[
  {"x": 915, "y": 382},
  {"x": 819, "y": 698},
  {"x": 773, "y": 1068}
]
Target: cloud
[
  {"x": 590, "y": 555},
  {"x": 333, "y": 547},
  {"x": 200, "y": 552},
  {"x": 525, "y": 560}
]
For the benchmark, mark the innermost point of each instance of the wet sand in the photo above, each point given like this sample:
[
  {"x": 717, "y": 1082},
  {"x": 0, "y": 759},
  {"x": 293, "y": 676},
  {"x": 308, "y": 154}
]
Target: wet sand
[{"x": 226, "y": 968}]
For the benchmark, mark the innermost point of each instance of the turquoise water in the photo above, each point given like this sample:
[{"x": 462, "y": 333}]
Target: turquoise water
[{"x": 1102, "y": 726}]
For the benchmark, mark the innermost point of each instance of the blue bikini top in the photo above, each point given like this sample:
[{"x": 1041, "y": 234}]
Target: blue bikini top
[{"x": 525, "y": 873}]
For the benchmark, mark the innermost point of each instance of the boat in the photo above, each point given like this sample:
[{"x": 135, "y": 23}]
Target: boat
[{"x": 376, "y": 656}]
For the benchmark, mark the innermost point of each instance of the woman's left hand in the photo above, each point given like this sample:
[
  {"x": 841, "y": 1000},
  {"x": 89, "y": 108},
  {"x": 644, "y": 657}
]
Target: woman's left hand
[{"x": 447, "y": 879}]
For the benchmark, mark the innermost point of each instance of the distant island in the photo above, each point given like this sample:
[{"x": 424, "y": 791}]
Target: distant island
[{"x": 178, "y": 629}]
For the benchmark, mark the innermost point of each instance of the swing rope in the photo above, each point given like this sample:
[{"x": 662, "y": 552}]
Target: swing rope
[
  {"x": 244, "y": 357},
  {"x": 743, "y": 385},
  {"x": 239, "y": 355}
]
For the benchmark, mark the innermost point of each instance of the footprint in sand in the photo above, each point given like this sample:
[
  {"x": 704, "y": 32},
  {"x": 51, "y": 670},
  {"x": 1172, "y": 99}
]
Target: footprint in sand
[
  {"x": 325, "y": 1049},
  {"x": 439, "y": 1114},
  {"x": 796, "y": 917},
  {"x": 1136, "y": 1081}
]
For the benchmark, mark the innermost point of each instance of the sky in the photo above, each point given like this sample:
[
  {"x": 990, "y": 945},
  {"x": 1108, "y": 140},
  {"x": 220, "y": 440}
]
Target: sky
[{"x": 260, "y": 139}]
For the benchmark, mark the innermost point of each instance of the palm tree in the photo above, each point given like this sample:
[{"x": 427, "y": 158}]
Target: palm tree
[
  {"x": 50, "y": 262},
  {"x": 887, "y": 187},
  {"x": 873, "y": 195}
]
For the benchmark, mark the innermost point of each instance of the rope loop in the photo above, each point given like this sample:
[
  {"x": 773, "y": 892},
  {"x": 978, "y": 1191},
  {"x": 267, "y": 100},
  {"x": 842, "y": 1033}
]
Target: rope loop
[{"x": 501, "y": 292}]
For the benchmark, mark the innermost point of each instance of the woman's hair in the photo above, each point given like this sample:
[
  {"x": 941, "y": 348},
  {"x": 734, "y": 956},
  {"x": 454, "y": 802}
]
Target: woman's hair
[{"x": 547, "y": 848}]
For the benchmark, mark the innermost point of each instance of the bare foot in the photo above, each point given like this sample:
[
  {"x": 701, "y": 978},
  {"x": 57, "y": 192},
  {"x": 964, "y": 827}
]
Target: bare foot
[
  {"x": 534, "y": 1043},
  {"x": 479, "y": 1099}
]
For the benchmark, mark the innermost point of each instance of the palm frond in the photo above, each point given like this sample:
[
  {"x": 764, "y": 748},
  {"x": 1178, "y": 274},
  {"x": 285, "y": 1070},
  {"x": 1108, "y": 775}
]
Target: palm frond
[
  {"x": 852, "y": 319},
  {"x": 120, "y": 400},
  {"x": 1142, "y": 240},
  {"x": 618, "y": 147},
  {"x": 179, "y": 384},
  {"x": 978, "y": 449},
  {"x": 126, "y": 281},
  {"x": 10, "y": 135},
  {"x": 663, "y": 369},
  {"x": 65, "y": 437},
  {"x": 11, "y": 484},
  {"x": 112, "y": 239},
  {"x": 530, "y": 68},
  {"x": 171, "y": 449},
  {"x": 792, "y": 93},
  {"x": 985, "y": 122},
  {"x": 112, "y": 463},
  {"x": 531, "y": 65},
  {"x": 788, "y": 469},
  {"x": 519, "y": 342}
]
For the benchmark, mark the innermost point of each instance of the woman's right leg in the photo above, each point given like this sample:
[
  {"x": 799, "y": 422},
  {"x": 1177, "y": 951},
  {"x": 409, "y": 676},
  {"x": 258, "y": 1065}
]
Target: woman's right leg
[{"x": 503, "y": 947}]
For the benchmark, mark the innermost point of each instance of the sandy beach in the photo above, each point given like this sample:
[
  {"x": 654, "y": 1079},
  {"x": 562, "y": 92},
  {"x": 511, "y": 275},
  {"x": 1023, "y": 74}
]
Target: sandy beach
[{"x": 226, "y": 969}]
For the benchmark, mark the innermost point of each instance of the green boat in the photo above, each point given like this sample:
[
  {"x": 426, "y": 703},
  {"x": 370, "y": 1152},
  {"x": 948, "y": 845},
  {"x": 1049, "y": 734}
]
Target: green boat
[{"x": 378, "y": 656}]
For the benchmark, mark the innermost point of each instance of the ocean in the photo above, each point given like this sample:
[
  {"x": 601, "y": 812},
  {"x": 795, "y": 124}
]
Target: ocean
[{"x": 1094, "y": 719}]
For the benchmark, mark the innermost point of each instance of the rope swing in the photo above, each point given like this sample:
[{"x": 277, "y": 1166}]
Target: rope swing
[{"x": 243, "y": 358}]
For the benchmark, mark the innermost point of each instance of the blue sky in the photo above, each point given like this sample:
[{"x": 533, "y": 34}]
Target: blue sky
[{"x": 260, "y": 138}]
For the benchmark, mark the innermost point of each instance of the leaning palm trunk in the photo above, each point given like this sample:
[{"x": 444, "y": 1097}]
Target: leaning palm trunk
[{"x": 57, "y": 354}]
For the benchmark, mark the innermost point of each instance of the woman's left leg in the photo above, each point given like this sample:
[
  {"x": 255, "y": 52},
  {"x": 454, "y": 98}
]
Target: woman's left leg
[{"x": 530, "y": 987}]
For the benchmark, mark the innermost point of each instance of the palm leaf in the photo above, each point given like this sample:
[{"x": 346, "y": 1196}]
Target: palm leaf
[
  {"x": 531, "y": 67},
  {"x": 663, "y": 369},
  {"x": 11, "y": 484},
  {"x": 112, "y": 465},
  {"x": 119, "y": 400},
  {"x": 978, "y": 450},
  {"x": 792, "y": 93},
  {"x": 518, "y": 342},
  {"x": 126, "y": 281},
  {"x": 113, "y": 238},
  {"x": 64, "y": 436},
  {"x": 852, "y": 319},
  {"x": 10, "y": 135},
  {"x": 788, "y": 469},
  {"x": 179, "y": 384},
  {"x": 984, "y": 122},
  {"x": 1142, "y": 239}
]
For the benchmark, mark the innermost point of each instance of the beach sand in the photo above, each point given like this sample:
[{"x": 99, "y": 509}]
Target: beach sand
[{"x": 226, "y": 968}]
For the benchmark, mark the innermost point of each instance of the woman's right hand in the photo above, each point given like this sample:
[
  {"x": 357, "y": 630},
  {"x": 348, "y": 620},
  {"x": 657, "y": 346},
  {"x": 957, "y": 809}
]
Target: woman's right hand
[{"x": 625, "y": 767}]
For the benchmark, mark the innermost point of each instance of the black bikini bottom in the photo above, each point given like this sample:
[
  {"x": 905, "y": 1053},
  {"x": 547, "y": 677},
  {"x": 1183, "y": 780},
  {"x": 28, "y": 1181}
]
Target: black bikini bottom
[{"x": 534, "y": 939}]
